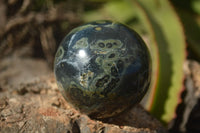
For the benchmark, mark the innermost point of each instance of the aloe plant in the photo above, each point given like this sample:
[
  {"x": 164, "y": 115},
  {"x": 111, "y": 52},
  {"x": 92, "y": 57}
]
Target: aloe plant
[{"x": 166, "y": 33}]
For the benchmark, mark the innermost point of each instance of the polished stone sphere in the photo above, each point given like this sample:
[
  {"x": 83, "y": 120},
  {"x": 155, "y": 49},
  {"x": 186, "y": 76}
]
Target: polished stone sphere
[{"x": 103, "y": 68}]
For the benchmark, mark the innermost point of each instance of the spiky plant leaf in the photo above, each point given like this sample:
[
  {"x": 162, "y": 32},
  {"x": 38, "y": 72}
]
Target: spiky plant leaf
[{"x": 167, "y": 34}]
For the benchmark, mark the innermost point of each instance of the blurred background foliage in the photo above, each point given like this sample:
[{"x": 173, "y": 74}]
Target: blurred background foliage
[{"x": 171, "y": 30}]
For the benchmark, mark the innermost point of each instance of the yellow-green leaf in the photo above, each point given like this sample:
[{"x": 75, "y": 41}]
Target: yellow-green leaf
[{"x": 166, "y": 33}]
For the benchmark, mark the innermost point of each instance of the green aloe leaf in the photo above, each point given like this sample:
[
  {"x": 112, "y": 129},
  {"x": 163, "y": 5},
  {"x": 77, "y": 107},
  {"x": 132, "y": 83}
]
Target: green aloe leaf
[{"x": 166, "y": 33}]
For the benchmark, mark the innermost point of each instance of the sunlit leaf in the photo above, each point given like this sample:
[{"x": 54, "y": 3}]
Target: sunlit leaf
[{"x": 166, "y": 33}]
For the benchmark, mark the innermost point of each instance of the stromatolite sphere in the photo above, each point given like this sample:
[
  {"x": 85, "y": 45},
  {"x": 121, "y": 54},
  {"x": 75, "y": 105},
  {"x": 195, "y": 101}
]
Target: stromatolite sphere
[{"x": 102, "y": 68}]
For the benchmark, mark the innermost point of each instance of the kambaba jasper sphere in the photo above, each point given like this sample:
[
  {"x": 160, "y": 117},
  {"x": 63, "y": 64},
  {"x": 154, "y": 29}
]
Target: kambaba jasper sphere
[{"x": 103, "y": 68}]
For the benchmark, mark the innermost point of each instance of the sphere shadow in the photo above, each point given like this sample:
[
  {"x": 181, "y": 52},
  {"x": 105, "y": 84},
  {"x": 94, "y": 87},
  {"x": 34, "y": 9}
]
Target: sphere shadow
[{"x": 136, "y": 117}]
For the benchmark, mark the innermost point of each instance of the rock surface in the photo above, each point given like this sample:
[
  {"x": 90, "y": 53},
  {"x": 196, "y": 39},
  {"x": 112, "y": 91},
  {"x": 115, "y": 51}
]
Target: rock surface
[
  {"x": 188, "y": 111},
  {"x": 31, "y": 102}
]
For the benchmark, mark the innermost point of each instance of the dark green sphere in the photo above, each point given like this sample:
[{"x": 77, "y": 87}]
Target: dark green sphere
[{"x": 103, "y": 68}]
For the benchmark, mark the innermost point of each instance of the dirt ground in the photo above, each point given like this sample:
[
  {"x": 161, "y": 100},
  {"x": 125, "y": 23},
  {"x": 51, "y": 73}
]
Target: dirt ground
[{"x": 31, "y": 102}]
